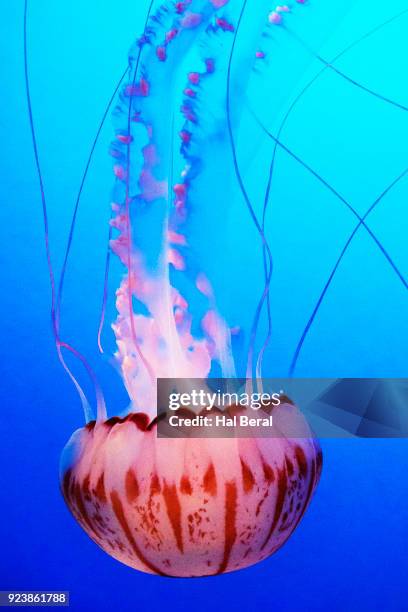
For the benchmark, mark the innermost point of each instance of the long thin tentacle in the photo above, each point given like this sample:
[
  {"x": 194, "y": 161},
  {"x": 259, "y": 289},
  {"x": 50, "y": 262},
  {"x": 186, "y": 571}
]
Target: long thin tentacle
[
  {"x": 327, "y": 65},
  {"x": 101, "y": 409},
  {"x": 335, "y": 267},
  {"x": 79, "y": 195},
  {"x": 248, "y": 204}
]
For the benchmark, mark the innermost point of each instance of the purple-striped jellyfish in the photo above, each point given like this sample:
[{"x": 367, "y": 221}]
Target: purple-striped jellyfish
[{"x": 183, "y": 507}]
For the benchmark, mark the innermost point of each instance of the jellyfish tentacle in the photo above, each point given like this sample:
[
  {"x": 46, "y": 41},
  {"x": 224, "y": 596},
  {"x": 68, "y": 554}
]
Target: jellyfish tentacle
[
  {"x": 376, "y": 94},
  {"x": 205, "y": 136},
  {"x": 194, "y": 213},
  {"x": 361, "y": 222},
  {"x": 79, "y": 195},
  {"x": 249, "y": 205},
  {"x": 127, "y": 141},
  {"x": 343, "y": 75},
  {"x": 275, "y": 18},
  {"x": 323, "y": 181},
  {"x": 100, "y": 402},
  {"x": 316, "y": 308},
  {"x": 261, "y": 55},
  {"x": 102, "y": 315},
  {"x": 291, "y": 108},
  {"x": 141, "y": 205}
]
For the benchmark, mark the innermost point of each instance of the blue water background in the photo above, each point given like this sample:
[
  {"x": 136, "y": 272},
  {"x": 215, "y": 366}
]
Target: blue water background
[{"x": 350, "y": 550}]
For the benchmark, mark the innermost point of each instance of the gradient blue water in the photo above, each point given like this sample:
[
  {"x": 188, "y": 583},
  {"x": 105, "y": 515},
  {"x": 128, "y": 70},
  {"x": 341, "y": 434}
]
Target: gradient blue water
[{"x": 349, "y": 552}]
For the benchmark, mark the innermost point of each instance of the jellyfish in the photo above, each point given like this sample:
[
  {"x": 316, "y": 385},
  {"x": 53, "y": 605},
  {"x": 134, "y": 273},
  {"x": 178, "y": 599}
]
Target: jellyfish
[{"x": 186, "y": 507}]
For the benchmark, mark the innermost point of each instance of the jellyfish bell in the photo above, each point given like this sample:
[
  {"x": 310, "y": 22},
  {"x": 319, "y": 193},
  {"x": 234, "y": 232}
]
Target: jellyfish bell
[
  {"x": 183, "y": 506},
  {"x": 188, "y": 507}
]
